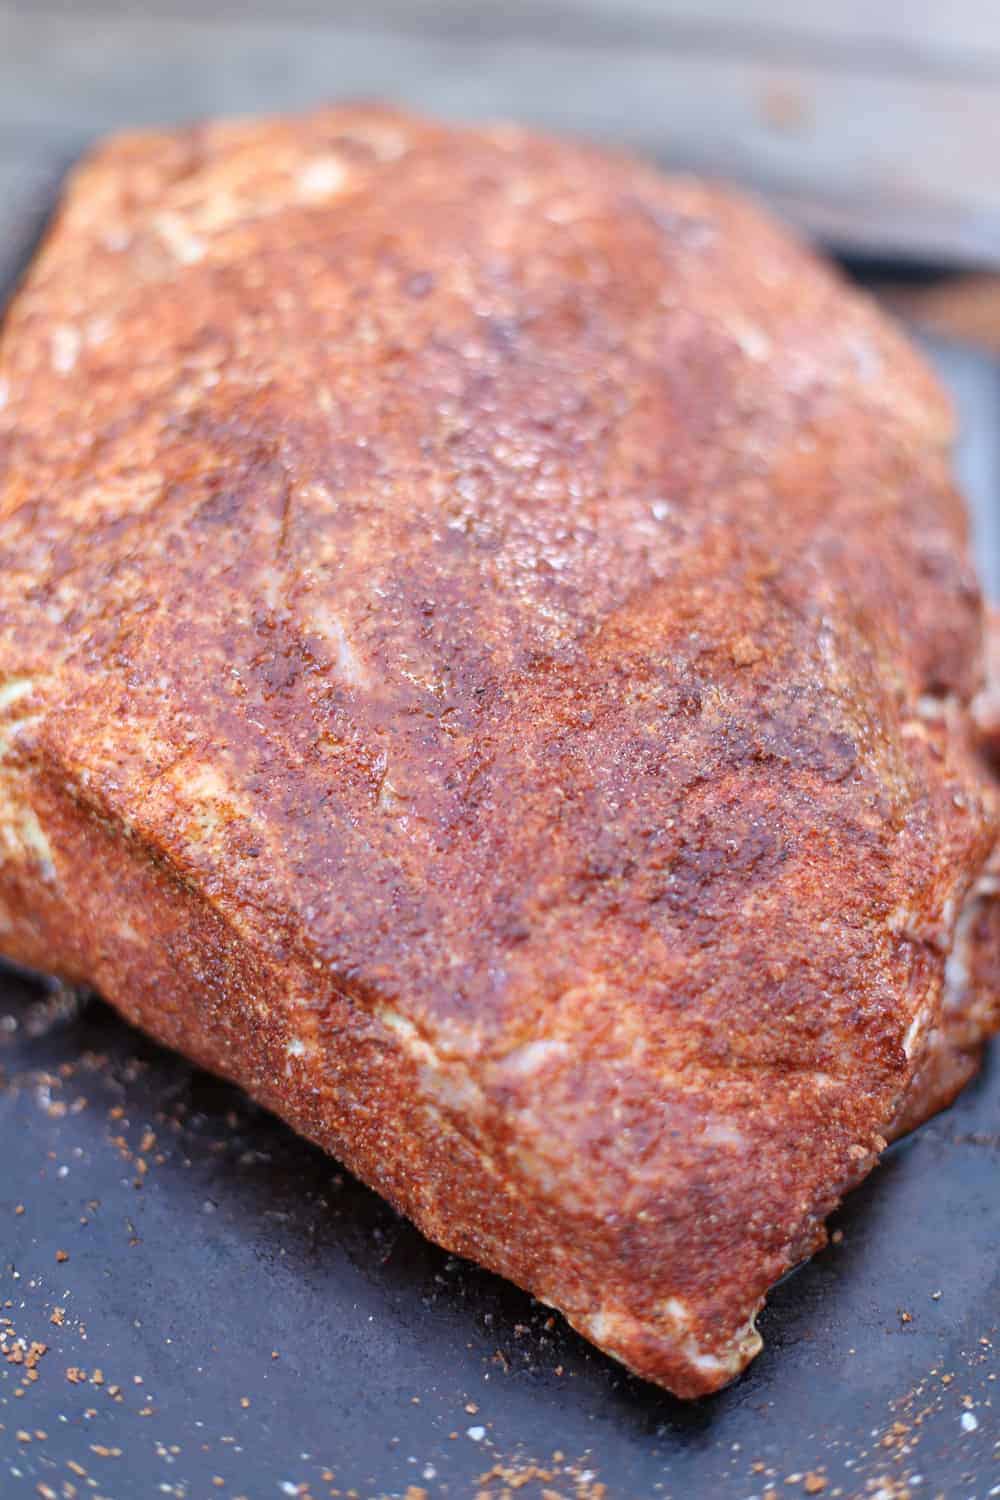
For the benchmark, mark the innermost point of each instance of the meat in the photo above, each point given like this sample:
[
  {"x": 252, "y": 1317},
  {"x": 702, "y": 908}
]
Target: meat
[
  {"x": 986, "y": 707},
  {"x": 487, "y": 654}
]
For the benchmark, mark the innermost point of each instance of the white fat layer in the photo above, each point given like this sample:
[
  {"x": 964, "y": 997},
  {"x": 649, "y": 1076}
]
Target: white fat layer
[
  {"x": 388, "y": 799},
  {"x": 214, "y": 801},
  {"x": 296, "y": 1049},
  {"x": 184, "y": 246},
  {"x": 721, "y": 1133},
  {"x": 66, "y": 343},
  {"x": 348, "y": 663},
  {"x": 14, "y": 727},
  {"x": 323, "y": 177},
  {"x": 936, "y": 706},
  {"x": 533, "y": 1056},
  {"x": 408, "y": 1034},
  {"x": 933, "y": 927},
  {"x": 203, "y": 780},
  {"x": 447, "y": 1083},
  {"x": 956, "y": 969},
  {"x": 14, "y": 689},
  {"x": 23, "y": 837},
  {"x": 612, "y": 1330},
  {"x": 915, "y": 1030}
]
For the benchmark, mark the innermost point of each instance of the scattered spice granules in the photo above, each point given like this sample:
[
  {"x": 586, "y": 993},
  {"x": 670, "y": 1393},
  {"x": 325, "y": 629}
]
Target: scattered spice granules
[
  {"x": 745, "y": 652},
  {"x": 21, "y": 1353}
]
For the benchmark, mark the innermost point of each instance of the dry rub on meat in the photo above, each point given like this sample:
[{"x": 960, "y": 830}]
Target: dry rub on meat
[{"x": 487, "y": 653}]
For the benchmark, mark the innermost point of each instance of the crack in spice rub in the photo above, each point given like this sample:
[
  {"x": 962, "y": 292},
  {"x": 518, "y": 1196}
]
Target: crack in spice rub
[{"x": 488, "y": 639}]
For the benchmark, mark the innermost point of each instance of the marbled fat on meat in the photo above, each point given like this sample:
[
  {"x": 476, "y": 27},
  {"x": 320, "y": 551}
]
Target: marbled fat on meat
[{"x": 487, "y": 653}]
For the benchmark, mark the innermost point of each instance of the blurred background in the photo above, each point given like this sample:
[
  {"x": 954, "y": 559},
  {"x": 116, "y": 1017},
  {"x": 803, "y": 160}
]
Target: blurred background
[{"x": 874, "y": 125}]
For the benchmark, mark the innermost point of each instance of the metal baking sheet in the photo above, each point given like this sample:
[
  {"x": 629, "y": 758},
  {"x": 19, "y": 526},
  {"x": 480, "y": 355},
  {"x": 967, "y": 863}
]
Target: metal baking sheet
[{"x": 194, "y": 1302}]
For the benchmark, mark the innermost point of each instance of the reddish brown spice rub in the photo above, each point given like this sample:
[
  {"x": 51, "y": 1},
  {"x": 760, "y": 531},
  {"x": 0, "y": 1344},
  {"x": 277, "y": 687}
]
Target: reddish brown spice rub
[{"x": 487, "y": 643}]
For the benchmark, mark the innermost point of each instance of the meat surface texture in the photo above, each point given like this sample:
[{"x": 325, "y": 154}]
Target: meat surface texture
[{"x": 487, "y": 653}]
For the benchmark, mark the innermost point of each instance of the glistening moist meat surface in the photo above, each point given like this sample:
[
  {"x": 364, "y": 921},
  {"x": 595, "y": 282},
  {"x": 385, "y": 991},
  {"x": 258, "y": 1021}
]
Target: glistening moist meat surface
[{"x": 488, "y": 638}]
